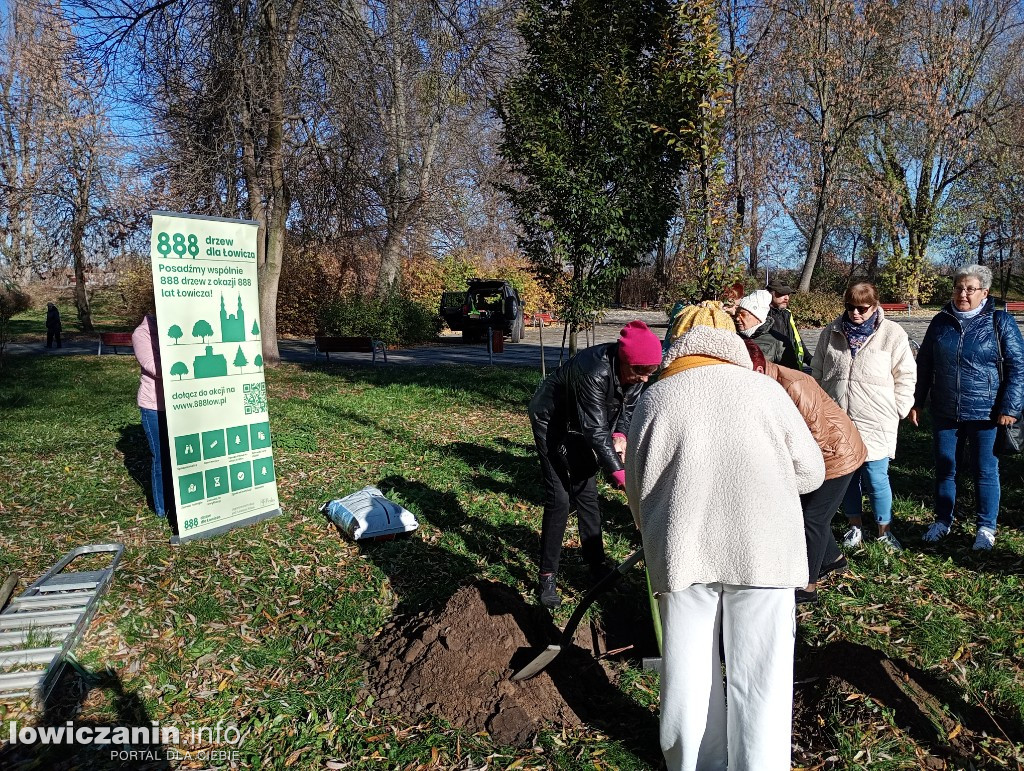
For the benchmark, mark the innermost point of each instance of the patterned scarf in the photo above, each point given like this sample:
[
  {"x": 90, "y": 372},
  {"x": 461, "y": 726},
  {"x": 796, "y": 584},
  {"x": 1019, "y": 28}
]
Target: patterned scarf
[{"x": 858, "y": 334}]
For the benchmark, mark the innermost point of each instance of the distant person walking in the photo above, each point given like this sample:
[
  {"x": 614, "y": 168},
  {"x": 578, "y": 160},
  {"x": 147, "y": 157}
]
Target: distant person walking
[
  {"x": 784, "y": 326},
  {"x": 864, "y": 362},
  {"x": 146, "y": 344},
  {"x": 959, "y": 367},
  {"x": 53, "y": 326},
  {"x": 580, "y": 416}
]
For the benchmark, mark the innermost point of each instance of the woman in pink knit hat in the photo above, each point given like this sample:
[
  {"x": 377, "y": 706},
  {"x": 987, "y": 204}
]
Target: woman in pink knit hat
[{"x": 580, "y": 416}]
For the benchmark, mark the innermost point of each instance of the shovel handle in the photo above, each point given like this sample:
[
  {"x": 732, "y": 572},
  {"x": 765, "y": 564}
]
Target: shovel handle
[
  {"x": 7, "y": 589},
  {"x": 600, "y": 587}
]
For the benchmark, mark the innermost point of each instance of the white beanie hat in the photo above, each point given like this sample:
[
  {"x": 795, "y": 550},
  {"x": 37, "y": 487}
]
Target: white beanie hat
[{"x": 757, "y": 303}]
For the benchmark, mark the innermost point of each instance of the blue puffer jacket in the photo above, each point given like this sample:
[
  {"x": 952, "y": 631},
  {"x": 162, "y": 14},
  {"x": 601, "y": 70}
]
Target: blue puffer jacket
[{"x": 957, "y": 364}]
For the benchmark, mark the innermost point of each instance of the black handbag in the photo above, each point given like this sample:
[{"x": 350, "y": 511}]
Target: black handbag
[{"x": 1009, "y": 439}]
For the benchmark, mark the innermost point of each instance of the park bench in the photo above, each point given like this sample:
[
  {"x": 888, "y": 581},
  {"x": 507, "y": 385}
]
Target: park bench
[
  {"x": 892, "y": 307},
  {"x": 114, "y": 340},
  {"x": 327, "y": 345},
  {"x": 1014, "y": 306},
  {"x": 543, "y": 319}
]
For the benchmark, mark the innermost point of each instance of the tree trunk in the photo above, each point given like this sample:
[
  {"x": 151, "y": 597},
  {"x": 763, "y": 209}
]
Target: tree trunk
[
  {"x": 279, "y": 43},
  {"x": 813, "y": 246},
  {"x": 390, "y": 261},
  {"x": 755, "y": 236},
  {"x": 78, "y": 223}
]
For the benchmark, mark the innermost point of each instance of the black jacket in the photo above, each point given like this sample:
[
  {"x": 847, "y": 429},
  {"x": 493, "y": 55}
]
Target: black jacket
[
  {"x": 784, "y": 329},
  {"x": 578, "y": 407},
  {"x": 771, "y": 346}
]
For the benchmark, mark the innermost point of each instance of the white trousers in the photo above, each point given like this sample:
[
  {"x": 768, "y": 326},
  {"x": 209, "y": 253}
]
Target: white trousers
[{"x": 758, "y": 629}]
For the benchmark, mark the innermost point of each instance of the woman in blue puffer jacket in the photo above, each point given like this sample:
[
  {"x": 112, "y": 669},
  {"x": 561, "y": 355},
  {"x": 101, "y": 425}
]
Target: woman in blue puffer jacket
[{"x": 958, "y": 365}]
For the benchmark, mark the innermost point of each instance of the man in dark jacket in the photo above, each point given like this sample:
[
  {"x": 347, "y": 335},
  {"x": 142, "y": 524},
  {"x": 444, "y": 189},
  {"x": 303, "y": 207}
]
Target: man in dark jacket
[
  {"x": 783, "y": 325},
  {"x": 53, "y": 326},
  {"x": 580, "y": 416},
  {"x": 754, "y": 324}
]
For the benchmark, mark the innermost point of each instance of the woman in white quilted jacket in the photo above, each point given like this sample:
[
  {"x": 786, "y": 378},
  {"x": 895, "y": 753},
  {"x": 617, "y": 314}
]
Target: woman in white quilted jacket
[{"x": 864, "y": 362}]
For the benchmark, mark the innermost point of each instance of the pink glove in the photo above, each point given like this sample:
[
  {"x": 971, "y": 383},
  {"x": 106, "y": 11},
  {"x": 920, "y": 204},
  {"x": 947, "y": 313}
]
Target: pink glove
[{"x": 620, "y": 478}]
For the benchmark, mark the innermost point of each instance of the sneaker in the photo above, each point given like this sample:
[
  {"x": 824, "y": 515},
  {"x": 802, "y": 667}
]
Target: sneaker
[
  {"x": 804, "y": 597},
  {"x": 985, "y": 541},
  {"x": 547, "y": 593},
  {"x": 888, "y": 540},
  {"x": 936, "y": 531},
  {"x": 839, "y": 566},
  {"x": 852, "y": 537}
]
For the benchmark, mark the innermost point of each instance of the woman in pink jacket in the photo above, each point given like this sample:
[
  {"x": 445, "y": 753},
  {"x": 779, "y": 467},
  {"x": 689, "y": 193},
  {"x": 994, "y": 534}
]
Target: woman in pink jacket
[{"x": 146, "y": 343}]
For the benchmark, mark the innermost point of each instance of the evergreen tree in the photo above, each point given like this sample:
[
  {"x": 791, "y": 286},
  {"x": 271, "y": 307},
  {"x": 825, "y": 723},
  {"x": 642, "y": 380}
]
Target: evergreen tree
[{"x": 588, "y": 126}]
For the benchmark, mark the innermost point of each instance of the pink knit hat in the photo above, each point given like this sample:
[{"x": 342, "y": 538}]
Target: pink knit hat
[{"x": 639, "y": 346}]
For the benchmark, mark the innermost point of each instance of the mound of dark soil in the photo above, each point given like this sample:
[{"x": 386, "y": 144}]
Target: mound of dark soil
[{"x": 457, "y": 663}]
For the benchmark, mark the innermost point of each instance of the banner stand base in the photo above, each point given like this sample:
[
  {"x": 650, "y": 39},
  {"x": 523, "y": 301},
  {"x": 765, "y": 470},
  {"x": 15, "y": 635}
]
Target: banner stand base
[{"x": 177, "y": 540}]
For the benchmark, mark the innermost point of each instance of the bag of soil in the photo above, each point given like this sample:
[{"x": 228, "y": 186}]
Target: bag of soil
[{"x": 367, "y": 515}]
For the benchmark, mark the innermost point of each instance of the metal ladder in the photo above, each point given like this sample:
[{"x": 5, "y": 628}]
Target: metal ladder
[{"x": 45, "y": 622}]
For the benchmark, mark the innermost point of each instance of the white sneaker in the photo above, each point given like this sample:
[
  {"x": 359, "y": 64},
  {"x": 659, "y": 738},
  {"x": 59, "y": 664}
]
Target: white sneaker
[
  {"x": 888, "y": 540},
  {"x": 936, "y": 531},
  {"x": 985, "y": 541},
  {"x": 852, "y": 537}
]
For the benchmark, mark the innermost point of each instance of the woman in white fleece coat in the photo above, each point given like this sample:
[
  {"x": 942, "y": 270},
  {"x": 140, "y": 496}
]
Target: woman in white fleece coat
[{"x": 717, "y": 459}]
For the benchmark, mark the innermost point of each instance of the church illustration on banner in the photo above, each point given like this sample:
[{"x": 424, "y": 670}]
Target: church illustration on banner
[{"x": 232, "y": 330}]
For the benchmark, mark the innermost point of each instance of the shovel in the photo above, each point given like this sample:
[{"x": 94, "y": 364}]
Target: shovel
[
  {"x": 7, "y": 589},
  {"x": 548, "y": 654}
]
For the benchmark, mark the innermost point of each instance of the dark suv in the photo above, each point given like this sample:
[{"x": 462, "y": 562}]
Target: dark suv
[{"x": 486, "y": 304}]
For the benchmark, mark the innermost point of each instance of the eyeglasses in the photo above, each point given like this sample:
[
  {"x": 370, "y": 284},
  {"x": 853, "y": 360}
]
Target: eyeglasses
[
  {"x": 967, "y": 290},
  {"x": 643, "y": 370},
  {"x": 861, "y": 309}
]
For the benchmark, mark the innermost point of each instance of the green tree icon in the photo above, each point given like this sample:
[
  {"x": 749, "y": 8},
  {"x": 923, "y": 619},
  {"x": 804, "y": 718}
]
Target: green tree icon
[
  {"x": 240, "y": 360},
  {"x": 175, "y": 334},
  {"x": 202, "y": 329},
  {"x": 255, "y": 329},
  {"x": 258, "y": 361},
  {"x": 179, "y": 368}
]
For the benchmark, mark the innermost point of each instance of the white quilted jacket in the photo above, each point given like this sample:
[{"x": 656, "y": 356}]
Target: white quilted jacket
[{"x": 876, "y": 388}]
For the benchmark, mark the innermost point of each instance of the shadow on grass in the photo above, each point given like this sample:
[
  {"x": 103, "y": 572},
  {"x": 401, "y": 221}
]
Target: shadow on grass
[
  {"x": 580, "y": 679},
  {"x": 134, "y": 448},
  {"x": 439, "y": 571},
  {"x": 70, "y": 693},
  {"x": 929, "y": 709}
]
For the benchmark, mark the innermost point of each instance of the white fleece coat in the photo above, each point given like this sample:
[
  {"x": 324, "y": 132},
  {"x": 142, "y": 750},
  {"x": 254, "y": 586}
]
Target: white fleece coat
[
  {"x": 717, "y": 459},
  {"x": 876, "y": 388}
]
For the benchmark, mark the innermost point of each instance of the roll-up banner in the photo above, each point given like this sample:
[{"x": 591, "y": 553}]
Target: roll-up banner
[{"x": 207, "y": 311}]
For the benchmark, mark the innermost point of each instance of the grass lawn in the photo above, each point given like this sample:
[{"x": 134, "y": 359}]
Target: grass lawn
[
  {"x": 262, "y": 627},
  {"x": 105, "y": 306}
]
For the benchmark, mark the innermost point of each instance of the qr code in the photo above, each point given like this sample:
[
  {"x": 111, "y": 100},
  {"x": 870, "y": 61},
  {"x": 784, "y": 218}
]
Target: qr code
[{"x": 255, "y": 397}]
